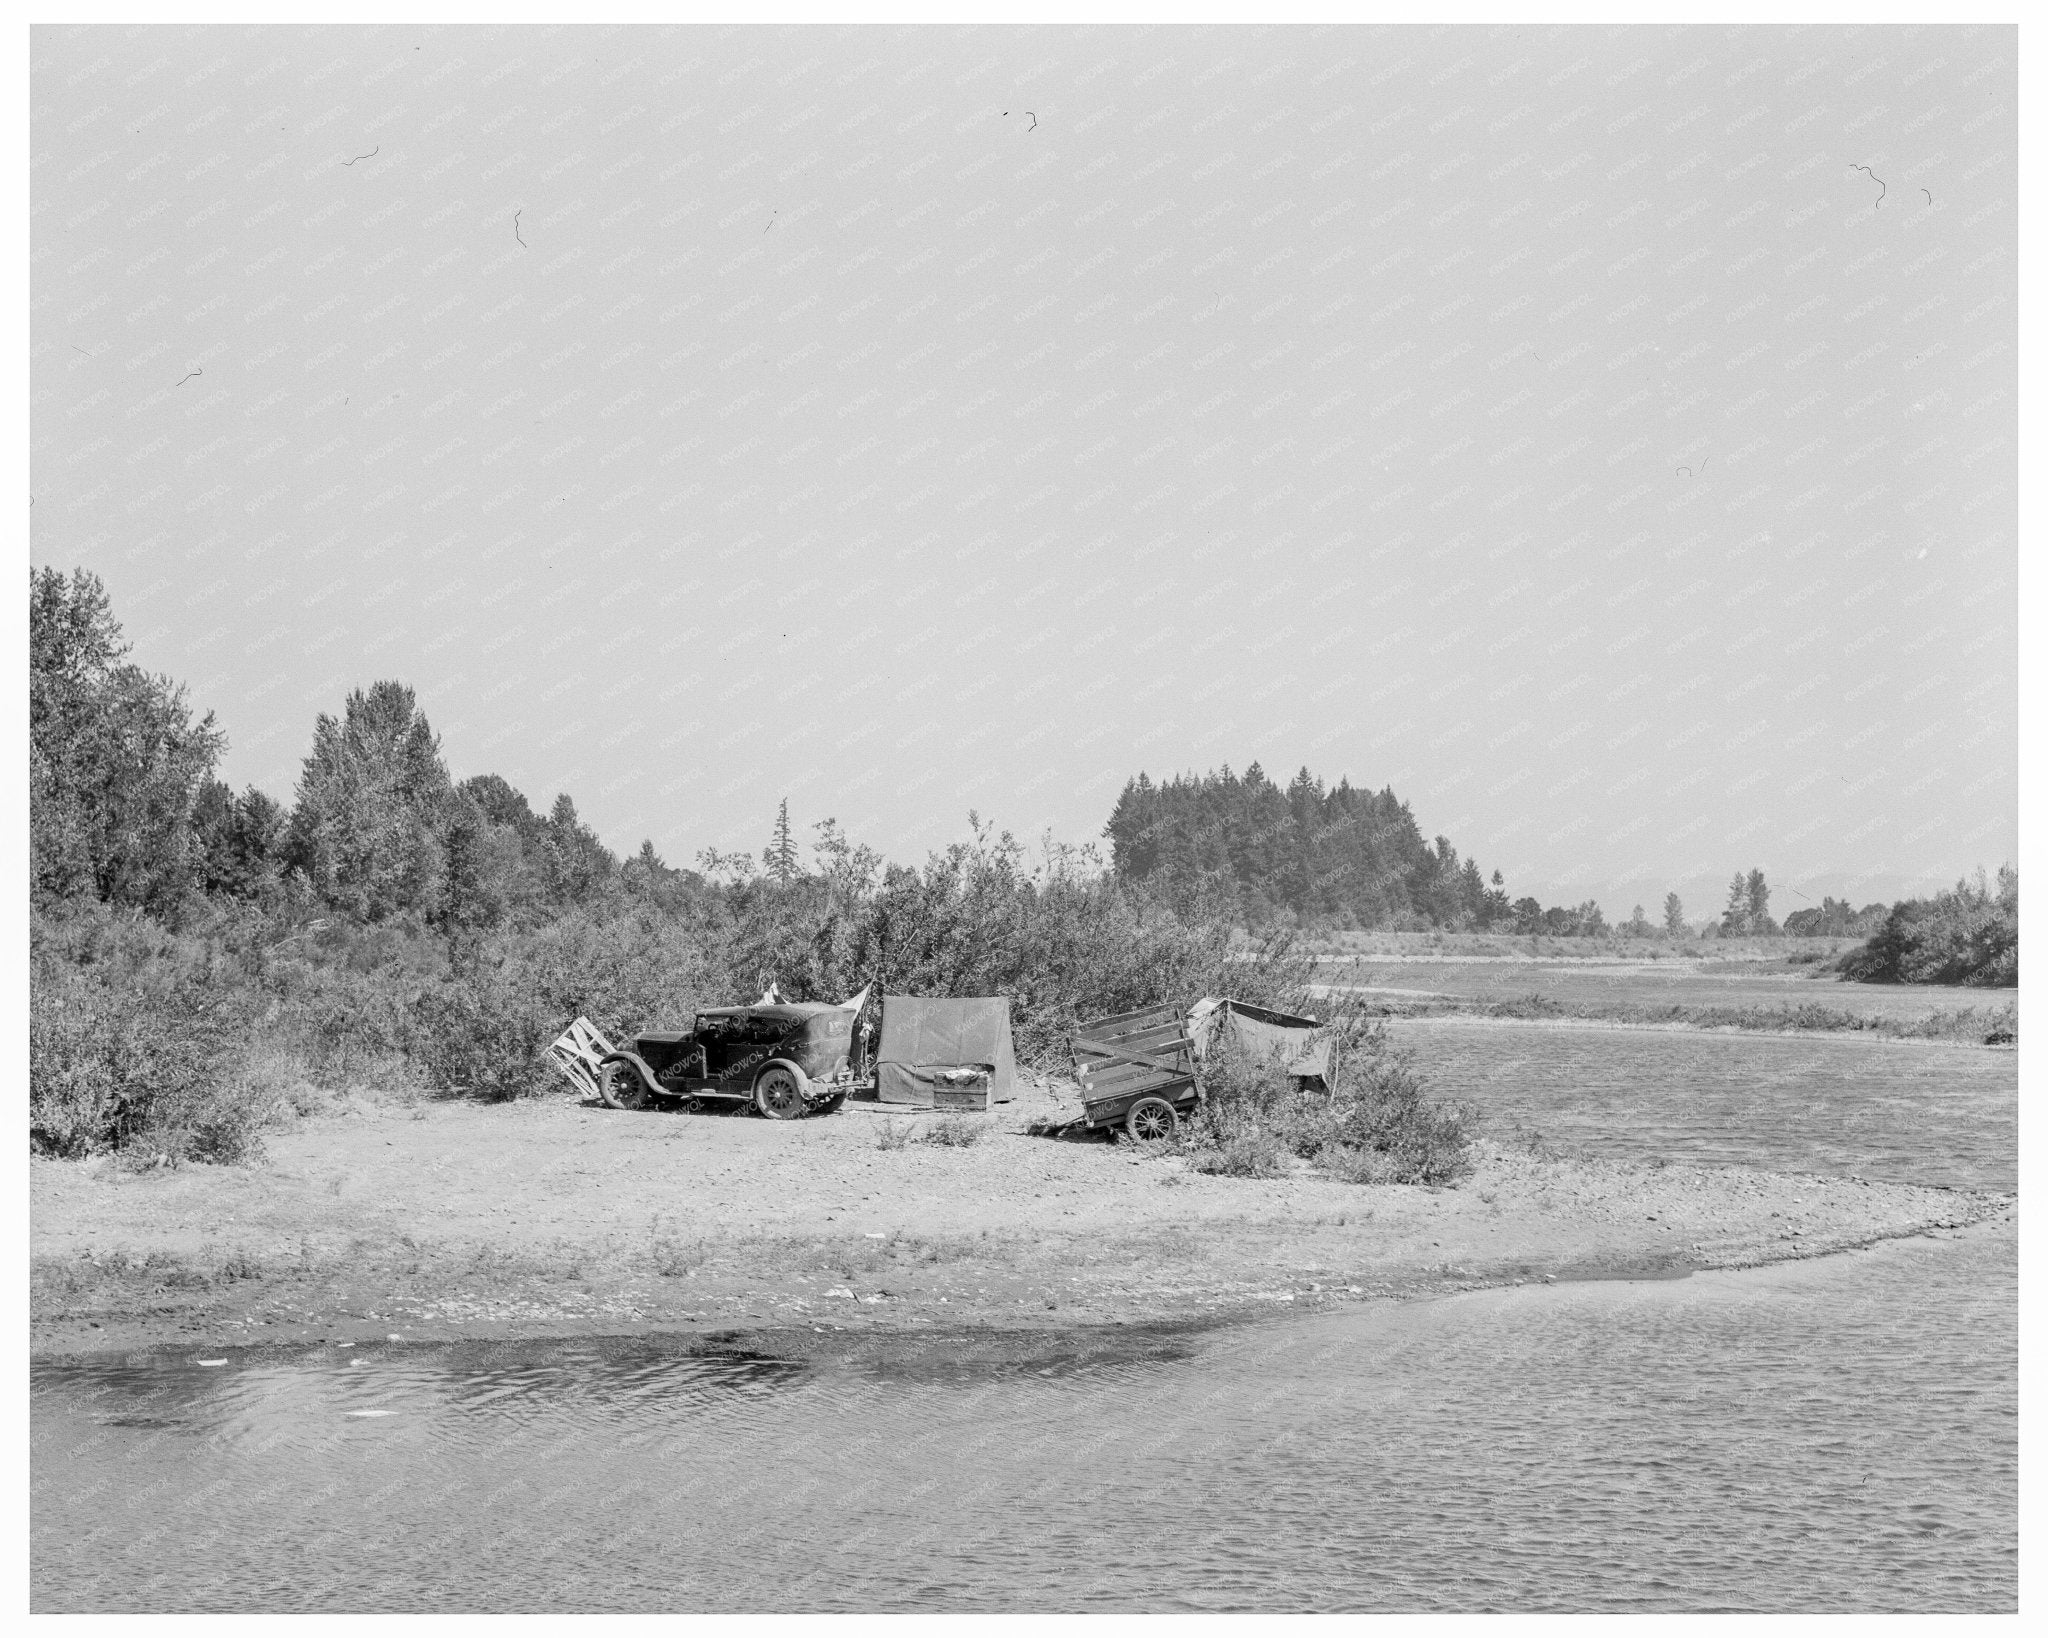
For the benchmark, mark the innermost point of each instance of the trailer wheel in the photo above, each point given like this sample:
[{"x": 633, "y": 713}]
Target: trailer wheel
[
  {"x": 777, "y": 1095},
  {"x": 1151, "y": 1119},
  {"x": 622, "y": 1088}
]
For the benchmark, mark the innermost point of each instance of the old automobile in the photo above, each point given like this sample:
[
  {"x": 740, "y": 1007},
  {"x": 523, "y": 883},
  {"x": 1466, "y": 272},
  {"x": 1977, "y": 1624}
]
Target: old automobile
[{"x": 786, "y": 1058}]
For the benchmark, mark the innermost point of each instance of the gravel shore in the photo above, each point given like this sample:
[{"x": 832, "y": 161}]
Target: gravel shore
[{"x": 441, "y": 1221}]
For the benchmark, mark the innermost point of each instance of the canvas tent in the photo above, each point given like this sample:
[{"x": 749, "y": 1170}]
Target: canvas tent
[
  {"x": 1296, "y": 1046},
  {"x": 951, "y": 1053}
]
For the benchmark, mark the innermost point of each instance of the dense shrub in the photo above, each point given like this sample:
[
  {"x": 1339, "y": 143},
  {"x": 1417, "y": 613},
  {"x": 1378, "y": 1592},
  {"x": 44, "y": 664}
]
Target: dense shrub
[
  {"x": 1969, "y": 935},
  {"x": 1230, "y": 1147},
  {"x": 417, "y": 1002},
  {"x": 156, "y": 1067},
  {"x": 1376, "y": 1125}
]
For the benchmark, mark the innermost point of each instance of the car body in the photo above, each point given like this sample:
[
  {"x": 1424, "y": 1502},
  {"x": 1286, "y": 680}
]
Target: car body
[{"x": 786, "y": 1058}]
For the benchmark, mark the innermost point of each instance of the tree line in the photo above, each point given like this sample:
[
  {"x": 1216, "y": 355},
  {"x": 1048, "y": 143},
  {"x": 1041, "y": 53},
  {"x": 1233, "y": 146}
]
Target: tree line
[
  {"x": 124, "y": 806},
  {"x": 1344, "y": 857}
]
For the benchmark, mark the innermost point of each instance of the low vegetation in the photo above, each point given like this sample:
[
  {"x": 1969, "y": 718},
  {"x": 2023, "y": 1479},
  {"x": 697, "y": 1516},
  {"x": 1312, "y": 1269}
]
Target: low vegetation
[
  {"x": 1375, "y": 1125},
  {"x": 1990, "y": 1025},
  {"x": 955, "y": 1132}
]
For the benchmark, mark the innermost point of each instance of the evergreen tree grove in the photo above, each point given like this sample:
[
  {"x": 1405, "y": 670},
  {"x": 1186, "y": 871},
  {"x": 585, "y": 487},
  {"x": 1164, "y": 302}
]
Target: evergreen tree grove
[{"x": 1336, "y": 854}]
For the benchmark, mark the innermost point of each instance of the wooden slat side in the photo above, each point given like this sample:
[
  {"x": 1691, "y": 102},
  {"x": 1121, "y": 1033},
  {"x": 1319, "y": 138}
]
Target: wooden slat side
[
  {"x": 1168, "y": 1064},
  {"x": 1176, "y": 1065},
  {"x": 1157, "y": 1014},
  {"x": 1174, "y": 1091},
  {"x": 1157, "y": 1034},
  {"x": 1177, "y": 1047},
  {"x": 1123, "y": 1078}
]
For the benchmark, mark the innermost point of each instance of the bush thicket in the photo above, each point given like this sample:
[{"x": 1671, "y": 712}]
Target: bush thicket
[
  {"x": 1968, "y": 935},
  {"x": 1376, "y": 1124}
]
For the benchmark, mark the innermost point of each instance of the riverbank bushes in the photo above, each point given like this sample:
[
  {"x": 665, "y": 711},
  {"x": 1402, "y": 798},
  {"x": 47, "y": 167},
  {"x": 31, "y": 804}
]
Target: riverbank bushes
[
  {"x": 200, "y": 959},
  {"x": 1376, "y": 1124},
  {"x": 1969, "y": 935},
  {"x": 145, "y": 1036}
]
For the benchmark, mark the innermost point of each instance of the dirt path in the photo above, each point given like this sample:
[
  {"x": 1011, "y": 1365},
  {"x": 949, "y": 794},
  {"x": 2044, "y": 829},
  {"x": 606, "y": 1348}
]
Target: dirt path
[{"x": 451, "y": 1220}]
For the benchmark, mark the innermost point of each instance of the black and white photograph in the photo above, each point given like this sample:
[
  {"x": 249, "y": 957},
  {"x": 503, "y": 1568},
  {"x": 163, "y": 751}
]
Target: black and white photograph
[{"x": 1086, "y": 812}]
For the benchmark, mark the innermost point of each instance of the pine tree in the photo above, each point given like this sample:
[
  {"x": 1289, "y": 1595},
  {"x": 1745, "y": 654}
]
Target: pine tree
[
  {"x": 780, "y": 855},
  {"x": 1757, "y": 903},
  {"x": 1735, "y": 919},
  {"x": 1674, "y": 916}
]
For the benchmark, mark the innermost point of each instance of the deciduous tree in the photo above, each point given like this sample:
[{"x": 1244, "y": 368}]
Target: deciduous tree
[
  {"x": 370, "y": 825},
  {"x": 116, "y": 761}
]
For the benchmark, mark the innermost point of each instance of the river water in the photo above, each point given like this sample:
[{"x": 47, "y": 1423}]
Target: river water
[
  {"x": 1830, "y": 1435},
  {"x": 1897, "y": 1111}
]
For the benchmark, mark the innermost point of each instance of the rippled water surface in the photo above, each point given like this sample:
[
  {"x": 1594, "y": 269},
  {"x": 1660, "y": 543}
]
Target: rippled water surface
[
  {"x": 1836, "y": 1435},
  {"x": 1902, "y": 1111}
]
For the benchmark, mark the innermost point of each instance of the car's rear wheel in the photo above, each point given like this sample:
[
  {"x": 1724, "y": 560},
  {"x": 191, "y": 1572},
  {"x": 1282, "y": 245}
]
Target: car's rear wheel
[
  {"x": 622, "y": 1088},
  {"x": 777, "y": 1094}
]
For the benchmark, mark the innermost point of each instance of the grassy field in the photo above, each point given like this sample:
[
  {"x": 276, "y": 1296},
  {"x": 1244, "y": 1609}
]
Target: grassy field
[
  {"x": 1609, "y": 949},
  {"x": 1734, "y": 987}
]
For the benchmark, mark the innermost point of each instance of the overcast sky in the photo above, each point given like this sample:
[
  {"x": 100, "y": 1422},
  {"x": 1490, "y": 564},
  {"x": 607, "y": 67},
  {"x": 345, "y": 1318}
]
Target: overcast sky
[{"x": 1604, "y": 437}]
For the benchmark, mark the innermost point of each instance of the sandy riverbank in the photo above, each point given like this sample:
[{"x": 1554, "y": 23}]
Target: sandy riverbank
[{"x": 459, "y": 1220}]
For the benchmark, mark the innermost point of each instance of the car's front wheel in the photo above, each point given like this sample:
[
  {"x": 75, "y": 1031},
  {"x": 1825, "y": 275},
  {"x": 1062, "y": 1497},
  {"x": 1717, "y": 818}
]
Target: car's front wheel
[
  {"x": 622, "y": 1088},
  {"x": 777, "y": 1094}
]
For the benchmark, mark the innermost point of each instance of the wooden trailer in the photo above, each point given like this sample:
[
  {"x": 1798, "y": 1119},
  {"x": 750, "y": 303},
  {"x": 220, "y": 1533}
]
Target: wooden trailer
[{"x": 1137, "y": 1073}]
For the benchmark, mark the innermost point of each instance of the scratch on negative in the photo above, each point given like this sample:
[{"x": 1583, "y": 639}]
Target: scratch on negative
[{"x": 372, "y": 154}]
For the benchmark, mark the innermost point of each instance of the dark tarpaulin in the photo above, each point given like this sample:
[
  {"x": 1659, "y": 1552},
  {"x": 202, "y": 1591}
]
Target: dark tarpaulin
[
  {"x": 1296, "y": 1046},
  {"x": 946, "y": 1052}
]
